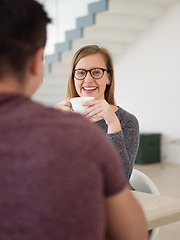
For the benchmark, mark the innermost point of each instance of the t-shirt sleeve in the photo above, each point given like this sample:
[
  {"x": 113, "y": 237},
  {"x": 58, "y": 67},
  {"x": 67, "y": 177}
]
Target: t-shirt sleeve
[
  {"x": 115, "y": 179},
  {"x": 102, "y": 162},
  {"x": 111, "y": 165}
]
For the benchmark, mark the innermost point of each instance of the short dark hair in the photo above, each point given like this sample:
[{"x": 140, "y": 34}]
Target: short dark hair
[{"x": 22, "y": 32}]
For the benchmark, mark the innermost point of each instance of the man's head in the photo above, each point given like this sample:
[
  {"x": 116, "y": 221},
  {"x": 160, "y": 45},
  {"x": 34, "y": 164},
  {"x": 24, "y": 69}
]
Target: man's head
[{"x": 22, "y": 33}]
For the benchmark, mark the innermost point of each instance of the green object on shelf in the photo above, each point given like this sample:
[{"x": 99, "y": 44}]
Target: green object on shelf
[{"x": 149, "y": 148}]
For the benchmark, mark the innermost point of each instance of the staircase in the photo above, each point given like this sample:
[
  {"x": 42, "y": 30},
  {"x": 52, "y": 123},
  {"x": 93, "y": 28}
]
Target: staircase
[{"x": 114, "y": 24}]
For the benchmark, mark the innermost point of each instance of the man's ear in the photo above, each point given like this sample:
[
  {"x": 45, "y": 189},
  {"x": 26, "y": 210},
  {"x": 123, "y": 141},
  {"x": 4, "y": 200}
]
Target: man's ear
[{"x": 36, "y": 62}]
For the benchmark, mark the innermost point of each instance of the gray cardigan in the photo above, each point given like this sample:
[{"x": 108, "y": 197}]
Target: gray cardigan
[{"x": 127, "y": 140}]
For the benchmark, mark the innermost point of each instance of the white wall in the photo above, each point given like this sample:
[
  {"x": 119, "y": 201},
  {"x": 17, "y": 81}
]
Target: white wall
[{"x": 148, "y": 82}]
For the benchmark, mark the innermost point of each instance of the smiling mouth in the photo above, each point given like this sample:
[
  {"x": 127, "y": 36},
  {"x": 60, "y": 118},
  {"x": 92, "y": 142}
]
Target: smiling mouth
[{"x": 89, "y": 88}]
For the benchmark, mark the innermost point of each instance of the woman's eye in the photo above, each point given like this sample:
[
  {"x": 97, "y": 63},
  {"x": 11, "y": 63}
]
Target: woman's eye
[
  {"x": 96, "y": 72},
  {"x": 80, "y": 73}
]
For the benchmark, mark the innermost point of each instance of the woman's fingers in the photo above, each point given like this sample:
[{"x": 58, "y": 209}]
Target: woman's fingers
[
  {"x": 91, "y": 108},
  {"x": 94, "y": 111},
  {"x": 64, "y": 105},
  {"x": 98, "y": 107}
]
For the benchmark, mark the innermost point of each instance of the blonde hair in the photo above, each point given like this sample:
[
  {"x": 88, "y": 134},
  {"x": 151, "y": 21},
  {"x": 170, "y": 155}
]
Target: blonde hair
[{"x": 83, "y": 52}]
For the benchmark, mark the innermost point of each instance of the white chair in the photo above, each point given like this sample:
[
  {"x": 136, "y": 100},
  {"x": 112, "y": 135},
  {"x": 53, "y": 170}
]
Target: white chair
[{"x": 142, "y": 183}]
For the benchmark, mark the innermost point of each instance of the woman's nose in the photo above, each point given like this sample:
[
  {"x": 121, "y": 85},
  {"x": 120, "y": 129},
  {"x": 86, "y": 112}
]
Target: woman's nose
[{"x": 88, "y": 77}]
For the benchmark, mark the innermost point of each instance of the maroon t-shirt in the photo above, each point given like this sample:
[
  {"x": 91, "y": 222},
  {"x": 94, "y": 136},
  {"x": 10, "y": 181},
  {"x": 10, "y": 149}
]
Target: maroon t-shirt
[{"x": 56, "y": 169}]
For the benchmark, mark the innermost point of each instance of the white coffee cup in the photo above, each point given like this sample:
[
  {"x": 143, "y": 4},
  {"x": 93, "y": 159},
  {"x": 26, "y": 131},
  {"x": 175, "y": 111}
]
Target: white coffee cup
[{"x": 77, "y": 103}]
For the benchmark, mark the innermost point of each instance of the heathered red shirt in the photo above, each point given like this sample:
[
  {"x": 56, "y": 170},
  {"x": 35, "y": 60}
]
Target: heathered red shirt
[{"x": 56, "y": 169}]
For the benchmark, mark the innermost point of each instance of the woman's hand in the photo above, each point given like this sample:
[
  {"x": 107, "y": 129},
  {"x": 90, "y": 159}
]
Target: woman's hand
[
  {"x": 101, "y": 109},
  {"x": 64, "y": 105}
]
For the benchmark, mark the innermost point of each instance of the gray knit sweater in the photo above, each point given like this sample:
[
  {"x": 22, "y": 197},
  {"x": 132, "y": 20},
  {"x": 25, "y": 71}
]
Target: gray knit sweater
[{"x": 127, "y": 140}]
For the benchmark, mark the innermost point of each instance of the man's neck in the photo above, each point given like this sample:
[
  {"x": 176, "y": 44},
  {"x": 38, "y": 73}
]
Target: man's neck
[{"x": 10, "y": 85}]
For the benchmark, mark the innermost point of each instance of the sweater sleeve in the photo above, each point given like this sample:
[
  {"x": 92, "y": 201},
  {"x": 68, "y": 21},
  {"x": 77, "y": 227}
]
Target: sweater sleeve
[{"x": 127, "y": 141}]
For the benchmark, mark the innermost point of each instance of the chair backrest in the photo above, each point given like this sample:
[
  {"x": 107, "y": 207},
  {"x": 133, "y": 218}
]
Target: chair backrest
[{"x": 142, "y": 183}]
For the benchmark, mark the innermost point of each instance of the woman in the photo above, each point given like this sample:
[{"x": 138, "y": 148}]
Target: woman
[{"x": 92, "y": 74}]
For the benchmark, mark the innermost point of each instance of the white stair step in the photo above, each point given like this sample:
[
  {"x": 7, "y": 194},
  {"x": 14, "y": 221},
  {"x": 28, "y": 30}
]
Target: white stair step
[
  {"x": 55, "y": 79},
  {"x": 67, "y": 56},
  {"x": 112, "y": 46},
  {"x": 51, "y": 100},
  {"x": 52, "y": 90},
  {"x": 161, "y": 2},
  {"x": 59, "y": 94},
  {"x": 121, "y": 21},
  {"x": 109, "y": 33},
  {"x": 136, "y": 8},
  {"x": 60, "y": 67}
]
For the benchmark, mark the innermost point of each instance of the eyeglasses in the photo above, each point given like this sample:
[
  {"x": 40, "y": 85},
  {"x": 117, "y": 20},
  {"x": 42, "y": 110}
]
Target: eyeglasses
[{"x": 95, "y": 73}]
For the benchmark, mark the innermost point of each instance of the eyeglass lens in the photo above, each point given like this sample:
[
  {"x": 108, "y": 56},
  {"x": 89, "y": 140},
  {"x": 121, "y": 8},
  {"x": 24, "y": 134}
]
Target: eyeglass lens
[{"x": 95, "y": 73}]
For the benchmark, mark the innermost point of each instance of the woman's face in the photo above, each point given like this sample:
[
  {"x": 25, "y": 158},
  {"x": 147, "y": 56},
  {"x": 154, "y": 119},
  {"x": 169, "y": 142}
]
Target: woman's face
[{"x": 90, "y": 87}]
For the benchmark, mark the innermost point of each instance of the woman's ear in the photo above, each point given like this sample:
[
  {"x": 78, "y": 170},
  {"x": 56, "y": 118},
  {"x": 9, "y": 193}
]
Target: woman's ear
[{"x": 108, "y": 79}]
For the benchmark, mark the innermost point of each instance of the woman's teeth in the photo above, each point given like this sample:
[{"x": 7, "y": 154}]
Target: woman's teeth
[{"x": 89, "y": 88}]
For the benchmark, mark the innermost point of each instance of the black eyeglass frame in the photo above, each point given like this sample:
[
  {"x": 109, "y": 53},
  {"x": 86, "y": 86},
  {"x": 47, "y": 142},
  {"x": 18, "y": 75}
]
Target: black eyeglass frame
[{"x": 86, "y": 71}]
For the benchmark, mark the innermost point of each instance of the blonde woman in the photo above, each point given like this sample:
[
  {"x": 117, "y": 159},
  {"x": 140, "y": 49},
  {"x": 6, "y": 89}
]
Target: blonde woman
[{"x": 92, "y": 74}]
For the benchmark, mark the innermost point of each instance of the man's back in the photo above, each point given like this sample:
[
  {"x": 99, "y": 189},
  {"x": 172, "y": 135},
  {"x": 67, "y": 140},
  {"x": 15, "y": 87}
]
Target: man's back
[
  {"x": 60, "y": 178},
  {"x": 54, "y": 173}
]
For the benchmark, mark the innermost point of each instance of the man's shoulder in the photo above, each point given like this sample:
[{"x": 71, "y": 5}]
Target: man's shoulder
[{"x": 64, "y": 120}]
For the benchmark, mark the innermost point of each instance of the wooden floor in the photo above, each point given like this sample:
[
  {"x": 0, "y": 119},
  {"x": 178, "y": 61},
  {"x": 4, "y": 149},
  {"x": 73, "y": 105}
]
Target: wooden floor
[{"x": 167, "y": 179}]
